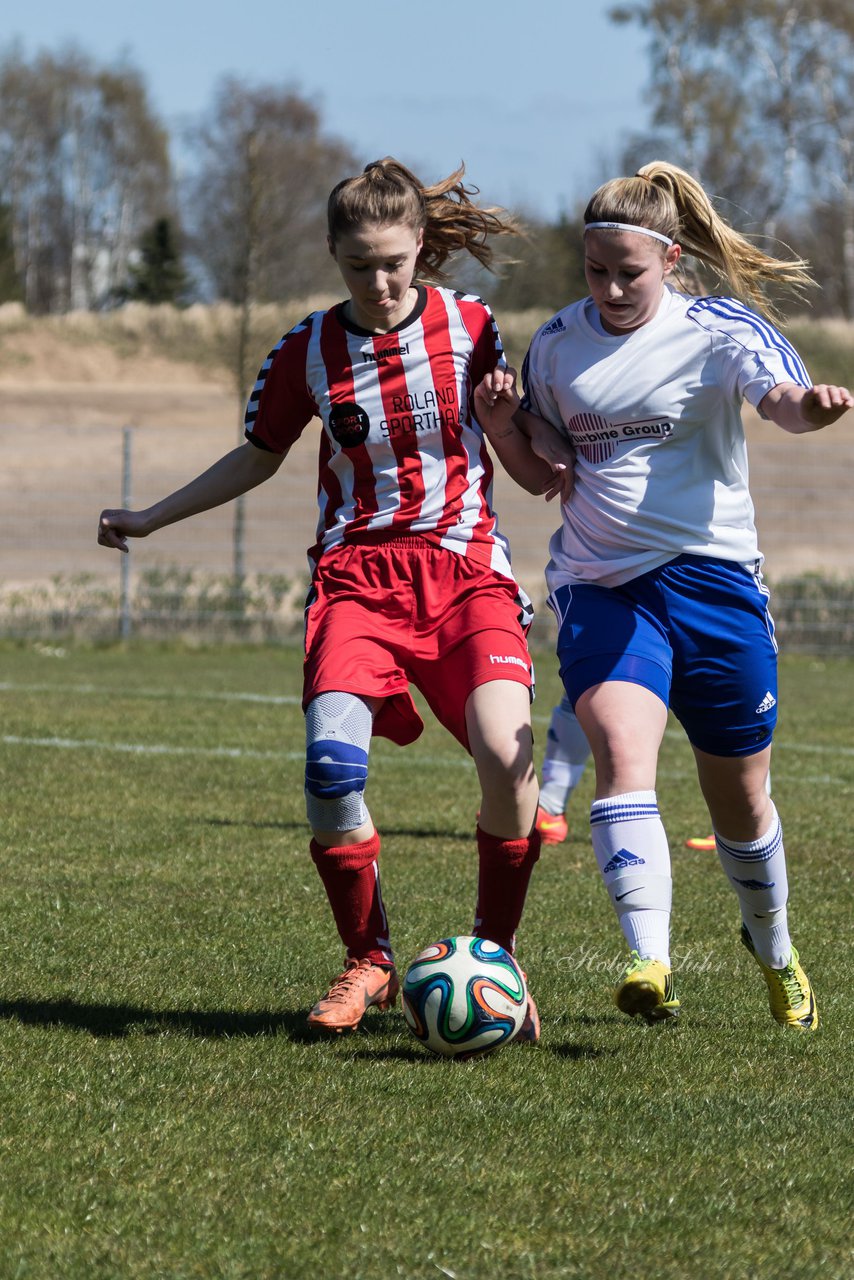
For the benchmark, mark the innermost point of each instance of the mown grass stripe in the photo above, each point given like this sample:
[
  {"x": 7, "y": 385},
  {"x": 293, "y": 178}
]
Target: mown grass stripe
[
  {"x": 292, "y": 700},
  {"x": 168, "y": 695},
  {"x": 226, "y": 753}
]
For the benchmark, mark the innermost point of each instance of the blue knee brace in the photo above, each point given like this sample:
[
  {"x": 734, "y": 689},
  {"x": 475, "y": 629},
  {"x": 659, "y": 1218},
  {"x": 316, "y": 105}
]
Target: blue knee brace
[
  {"x": 338, "y": 735},
  {"x": 335, "y": 777},
  {"x": 333, "y": 768}
]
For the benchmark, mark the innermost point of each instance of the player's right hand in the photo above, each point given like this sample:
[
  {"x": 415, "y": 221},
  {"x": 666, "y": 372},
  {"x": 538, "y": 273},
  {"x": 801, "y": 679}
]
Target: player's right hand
[{"x": 116, "y": 526}]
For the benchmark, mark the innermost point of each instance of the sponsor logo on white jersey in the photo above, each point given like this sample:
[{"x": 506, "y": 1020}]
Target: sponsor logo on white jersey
[
  {"x": 555, "y": 326},
  {"x": 596, "y": 438}
]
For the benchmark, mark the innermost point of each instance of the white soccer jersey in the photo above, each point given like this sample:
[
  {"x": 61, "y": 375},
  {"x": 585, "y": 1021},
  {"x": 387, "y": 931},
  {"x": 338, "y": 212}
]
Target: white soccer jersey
[
  {"x": 401, "y": 451},
  {"x": 655, "y": 417}
]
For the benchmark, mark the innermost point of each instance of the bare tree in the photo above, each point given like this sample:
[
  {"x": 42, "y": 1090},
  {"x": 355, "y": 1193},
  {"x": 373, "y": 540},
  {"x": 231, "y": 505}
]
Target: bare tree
[
  {"x": 84, "y": 166},
  {"x": 256, "y": 200},
  {"x": 255, "y": 206},
  {"x": 757, "y": 98}
]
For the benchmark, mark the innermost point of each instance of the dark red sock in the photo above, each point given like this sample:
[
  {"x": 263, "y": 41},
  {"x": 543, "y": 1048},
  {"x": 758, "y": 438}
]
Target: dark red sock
[
  {"x": 504, "y": 871},
  {"x": 351, "y": 878}
]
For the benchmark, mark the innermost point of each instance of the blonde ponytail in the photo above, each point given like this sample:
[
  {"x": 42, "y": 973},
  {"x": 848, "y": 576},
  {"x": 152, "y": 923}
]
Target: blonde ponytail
[{"x": 668, "y": 200}]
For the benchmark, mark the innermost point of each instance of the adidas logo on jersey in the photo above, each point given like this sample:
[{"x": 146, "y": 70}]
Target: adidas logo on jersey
[
  {"x": 766, "y": 704},
  {"x": 555, "y": 326},
  {"x": 623, "y": 859}
]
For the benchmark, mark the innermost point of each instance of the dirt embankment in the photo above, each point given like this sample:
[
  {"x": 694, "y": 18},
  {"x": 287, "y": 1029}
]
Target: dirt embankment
[{"x": 66, "y": 395}]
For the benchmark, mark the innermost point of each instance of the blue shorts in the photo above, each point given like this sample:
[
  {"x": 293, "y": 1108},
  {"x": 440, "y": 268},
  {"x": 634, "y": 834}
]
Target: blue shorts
[{"x": 696, "y": 632}]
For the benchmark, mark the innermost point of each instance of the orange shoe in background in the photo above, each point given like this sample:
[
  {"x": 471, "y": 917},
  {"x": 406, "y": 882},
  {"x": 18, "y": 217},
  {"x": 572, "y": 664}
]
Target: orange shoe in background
[
  {"x": 551, "y": 826},
  {"x": 361, "y": 985},
  {"x": 705, "y": 844}
]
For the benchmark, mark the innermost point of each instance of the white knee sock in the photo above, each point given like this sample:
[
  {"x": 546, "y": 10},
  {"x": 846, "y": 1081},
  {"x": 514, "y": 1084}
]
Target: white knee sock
[
  {"x": 757, "y": 872},
  {"x": 566, "y": 754},
  {"x": 631, "y": 848}
]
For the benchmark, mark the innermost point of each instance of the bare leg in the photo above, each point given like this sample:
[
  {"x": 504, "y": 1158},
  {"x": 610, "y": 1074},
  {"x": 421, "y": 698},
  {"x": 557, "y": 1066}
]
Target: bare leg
[
  {"x": 498, "y": 720},
  {"x": 499, "y": 727}
]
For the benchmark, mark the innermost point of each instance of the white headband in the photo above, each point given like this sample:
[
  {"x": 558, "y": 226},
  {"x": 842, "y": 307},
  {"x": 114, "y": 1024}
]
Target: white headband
[{"x": 628, "y": 226}]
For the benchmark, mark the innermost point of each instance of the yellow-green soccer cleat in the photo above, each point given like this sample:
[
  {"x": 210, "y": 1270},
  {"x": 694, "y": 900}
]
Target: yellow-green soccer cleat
[
  {"x": 646, "y": 990},
  {"x": 790, "y": 995}
]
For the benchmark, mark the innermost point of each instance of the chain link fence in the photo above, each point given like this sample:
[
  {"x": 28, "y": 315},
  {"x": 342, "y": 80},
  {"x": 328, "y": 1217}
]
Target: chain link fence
[{"x": 217, "y": 577}]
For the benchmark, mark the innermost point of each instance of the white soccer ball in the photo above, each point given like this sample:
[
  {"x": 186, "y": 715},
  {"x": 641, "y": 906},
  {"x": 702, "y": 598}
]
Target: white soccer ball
[{"x": 464, "y": 996}]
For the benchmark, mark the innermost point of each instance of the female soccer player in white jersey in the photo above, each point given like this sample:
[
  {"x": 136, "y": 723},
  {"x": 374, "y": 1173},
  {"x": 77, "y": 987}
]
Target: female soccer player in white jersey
[
  {"x": 411, "y": 578},
  {"x": 655, "y": 573}
]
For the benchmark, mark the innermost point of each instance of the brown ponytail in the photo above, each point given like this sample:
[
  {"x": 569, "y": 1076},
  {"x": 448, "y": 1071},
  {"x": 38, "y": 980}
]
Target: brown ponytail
[{"x": 387, "y": 192}]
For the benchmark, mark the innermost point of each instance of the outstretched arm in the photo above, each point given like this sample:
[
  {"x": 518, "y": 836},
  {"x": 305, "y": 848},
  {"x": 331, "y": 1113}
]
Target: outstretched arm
[
  {"x": 798, "y": 409},
  {"x": 536, "y": 456},
  {"x": 237, "y": 472}
]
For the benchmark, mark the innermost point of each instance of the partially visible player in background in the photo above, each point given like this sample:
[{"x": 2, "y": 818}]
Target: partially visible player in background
[
  {"x": 655, "y": 573},
  {"x": 411, "y": 577},
  {"x": 564, "y": 761}
]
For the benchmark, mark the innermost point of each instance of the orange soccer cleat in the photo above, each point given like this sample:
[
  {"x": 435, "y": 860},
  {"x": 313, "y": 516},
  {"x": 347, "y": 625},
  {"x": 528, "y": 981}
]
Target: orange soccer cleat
[
  {"x": 361, "y": 985},
  {"x": 551, "y": 826}
]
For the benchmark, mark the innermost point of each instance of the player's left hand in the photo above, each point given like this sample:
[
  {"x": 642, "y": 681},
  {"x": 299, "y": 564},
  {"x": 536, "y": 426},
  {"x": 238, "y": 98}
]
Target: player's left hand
[
  {"x": 556, "y": 450},
  {"x": 824, "y": 403},
  {"x": 496, "y": 399}
]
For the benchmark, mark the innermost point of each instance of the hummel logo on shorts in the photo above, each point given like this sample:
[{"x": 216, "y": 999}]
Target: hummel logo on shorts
[
  {"x": 767, "y": 703},
  {"x": 508, "y": 658}
]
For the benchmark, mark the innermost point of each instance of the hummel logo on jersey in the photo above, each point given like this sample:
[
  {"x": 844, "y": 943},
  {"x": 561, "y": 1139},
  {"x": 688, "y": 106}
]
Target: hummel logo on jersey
[
  {"x": 623, "y": 859},
  {"x": 555, "y": 326},
  {"x": 766, "y": 704},
  {"x": 504, "y": 658},
  {"x": 377, "y": 357}
]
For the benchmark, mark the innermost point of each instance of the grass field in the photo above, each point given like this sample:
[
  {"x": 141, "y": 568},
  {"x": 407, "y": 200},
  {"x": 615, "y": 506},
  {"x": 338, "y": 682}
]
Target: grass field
[{"x": 163, "y": 1112}]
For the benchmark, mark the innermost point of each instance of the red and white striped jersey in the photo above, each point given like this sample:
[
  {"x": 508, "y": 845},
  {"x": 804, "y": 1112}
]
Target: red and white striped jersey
[{"x": 401, "y": 451}]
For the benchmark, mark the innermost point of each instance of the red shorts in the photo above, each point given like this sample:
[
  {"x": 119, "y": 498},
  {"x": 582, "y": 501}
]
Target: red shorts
[{"x": 382, "y": 616}]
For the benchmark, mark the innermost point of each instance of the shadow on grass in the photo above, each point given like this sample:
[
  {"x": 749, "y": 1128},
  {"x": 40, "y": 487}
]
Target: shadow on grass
[
  {"x": 114, "y": 1020},
  {"x": 402, "y": 1053},
  {"x": 398, "y": 1053},
  {"x": 386, "y": 829}
]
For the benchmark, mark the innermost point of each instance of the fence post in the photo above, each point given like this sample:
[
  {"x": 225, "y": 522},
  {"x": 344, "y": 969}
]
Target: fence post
[{"x": 124, "y": 560}]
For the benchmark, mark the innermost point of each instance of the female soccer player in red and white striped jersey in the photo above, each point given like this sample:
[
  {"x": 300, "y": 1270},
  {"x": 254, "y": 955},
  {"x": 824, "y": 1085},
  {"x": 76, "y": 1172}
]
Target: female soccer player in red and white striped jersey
[{"x": 411, "y": 579}]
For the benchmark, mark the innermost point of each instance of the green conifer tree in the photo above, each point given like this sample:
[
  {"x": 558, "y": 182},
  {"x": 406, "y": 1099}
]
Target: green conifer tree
[
  {"x": 158, "y": 275},
  {"x": 11, "y": 289}
]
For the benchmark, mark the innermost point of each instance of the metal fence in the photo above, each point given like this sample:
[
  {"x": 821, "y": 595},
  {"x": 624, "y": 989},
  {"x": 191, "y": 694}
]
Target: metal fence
[{"x": 203, "y": 579}]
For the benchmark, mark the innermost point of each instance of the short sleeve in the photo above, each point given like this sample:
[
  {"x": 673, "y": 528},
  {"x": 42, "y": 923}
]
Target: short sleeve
[
  {"x": 754, "y": 357},
  {"x": 536, "y": 395},
  {"x": 281, "y": 404},
  {"x": 487, "y": 348}
]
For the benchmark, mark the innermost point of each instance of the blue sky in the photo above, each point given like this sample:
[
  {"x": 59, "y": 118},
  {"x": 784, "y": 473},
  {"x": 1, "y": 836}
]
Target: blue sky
[{"x": 536, "y": 98}]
